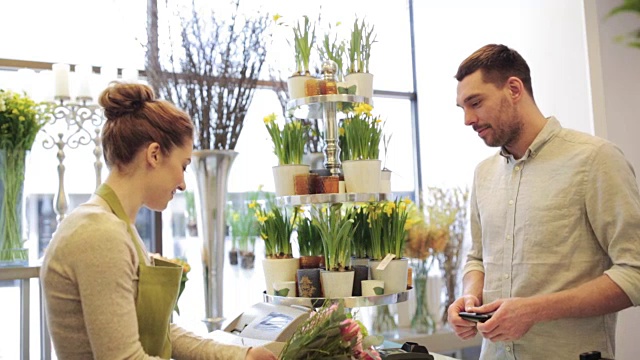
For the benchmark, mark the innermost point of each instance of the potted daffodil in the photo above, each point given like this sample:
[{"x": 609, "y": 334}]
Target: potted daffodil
[{"x": 288, "y": 145}]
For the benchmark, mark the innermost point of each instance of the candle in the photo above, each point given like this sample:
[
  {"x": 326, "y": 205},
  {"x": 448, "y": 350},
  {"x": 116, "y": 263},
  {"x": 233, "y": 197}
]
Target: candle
[
  {"x": 61, "y": 80},
  {"x": 83, "y": 77}
]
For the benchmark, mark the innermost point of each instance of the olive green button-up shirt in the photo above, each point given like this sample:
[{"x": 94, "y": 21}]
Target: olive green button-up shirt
[{"x": 564, "y": 214}]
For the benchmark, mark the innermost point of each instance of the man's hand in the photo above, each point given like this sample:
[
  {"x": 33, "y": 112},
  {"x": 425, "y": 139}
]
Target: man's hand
[
  {"x": 512, "y": 318},
  {"x": 260, "y": 353},
  {"x": 463, "y": 328}
]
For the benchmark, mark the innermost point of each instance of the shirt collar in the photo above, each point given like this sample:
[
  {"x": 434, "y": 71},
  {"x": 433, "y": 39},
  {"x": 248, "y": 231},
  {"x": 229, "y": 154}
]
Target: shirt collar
[{"x": 550, "y": 130}]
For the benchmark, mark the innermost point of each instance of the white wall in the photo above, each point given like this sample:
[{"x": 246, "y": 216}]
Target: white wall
[
  {"x": 580, "y": 75},
  {"x": 549, "y": 34},
  {"x": 615, "y": 80}
]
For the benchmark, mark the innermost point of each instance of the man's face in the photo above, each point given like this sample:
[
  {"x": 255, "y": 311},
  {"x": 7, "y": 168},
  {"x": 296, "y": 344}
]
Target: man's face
[{"x": 489, "y": 110}]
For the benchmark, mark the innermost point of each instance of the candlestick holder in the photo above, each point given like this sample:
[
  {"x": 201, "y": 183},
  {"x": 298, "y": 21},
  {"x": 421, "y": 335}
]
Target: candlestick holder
[{"x": 72, "y": 124}]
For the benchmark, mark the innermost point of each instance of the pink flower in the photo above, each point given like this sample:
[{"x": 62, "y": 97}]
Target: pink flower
[
  {"x": 371, "y": 354},
  {"x": 349, "y": 329}
]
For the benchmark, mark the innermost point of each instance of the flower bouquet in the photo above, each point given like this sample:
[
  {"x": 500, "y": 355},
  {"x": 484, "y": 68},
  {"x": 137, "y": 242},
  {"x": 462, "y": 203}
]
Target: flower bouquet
[
  {"x": 20, "y": 120},
  {"x": 331, "y": 333}
]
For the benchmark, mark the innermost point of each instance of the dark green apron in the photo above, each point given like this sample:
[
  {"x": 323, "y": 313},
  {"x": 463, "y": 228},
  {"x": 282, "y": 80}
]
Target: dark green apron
[{"x": 158, "y": 288}]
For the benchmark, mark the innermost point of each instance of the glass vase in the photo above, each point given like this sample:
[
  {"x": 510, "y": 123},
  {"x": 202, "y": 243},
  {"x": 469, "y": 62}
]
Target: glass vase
[
  {"x": 12, "y": 166},
  {"x": 384, "y": 322},
  {"x": 422, "y": 322}
]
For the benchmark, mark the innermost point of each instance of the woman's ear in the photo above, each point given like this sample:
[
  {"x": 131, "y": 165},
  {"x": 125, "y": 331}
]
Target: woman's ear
[{"x": 153, "y": 154}]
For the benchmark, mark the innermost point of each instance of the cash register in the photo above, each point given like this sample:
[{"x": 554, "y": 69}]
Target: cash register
[{"x": 271, "y": 325}]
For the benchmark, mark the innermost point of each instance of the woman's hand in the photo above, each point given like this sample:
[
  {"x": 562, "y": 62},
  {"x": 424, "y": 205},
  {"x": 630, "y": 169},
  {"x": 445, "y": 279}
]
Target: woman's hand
[{"x": 260, "y": 353}]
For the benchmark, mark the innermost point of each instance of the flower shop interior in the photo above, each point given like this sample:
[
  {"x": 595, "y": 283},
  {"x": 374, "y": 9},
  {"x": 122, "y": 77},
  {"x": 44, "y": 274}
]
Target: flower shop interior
[{"x": 583, "y": 75}]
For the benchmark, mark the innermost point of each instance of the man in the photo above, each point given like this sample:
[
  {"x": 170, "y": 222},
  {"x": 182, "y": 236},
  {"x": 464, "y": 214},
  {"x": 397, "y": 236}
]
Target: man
[{"x": 555, "y": 223}]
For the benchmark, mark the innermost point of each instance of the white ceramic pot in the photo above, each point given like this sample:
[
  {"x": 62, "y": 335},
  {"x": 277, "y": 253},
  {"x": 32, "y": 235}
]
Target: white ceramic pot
[
  {"x": 363, "y": 83},
  {"x": 284, "y": 175},
  {"x": 279, "y": 270},
  {"x": 385, "y": 181},
  {"x": 361, "y": 176},
  {"x": 296, "y": 85},
  {"x": 337, "y": 284},
  {"x": 394, "y": 275}
]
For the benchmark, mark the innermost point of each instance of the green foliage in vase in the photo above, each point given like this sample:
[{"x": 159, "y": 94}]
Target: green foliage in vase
[{"x": 20, "y": 120}]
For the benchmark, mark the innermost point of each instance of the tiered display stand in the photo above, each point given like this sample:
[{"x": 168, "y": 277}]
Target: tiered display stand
[{"x": 328, "y": 106}]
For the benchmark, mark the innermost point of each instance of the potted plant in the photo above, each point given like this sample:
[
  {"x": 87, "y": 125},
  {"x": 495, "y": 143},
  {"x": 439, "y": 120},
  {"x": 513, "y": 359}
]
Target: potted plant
[
  {"x": 362, "y": 38},
  {"x": 303, "y": 40},
  {"x": 244, "y": 229},
  {"x": 276, "y": 227},
  {"x": 336, "y": 230},
  {"x": 388, "y": 220},
  {"x": 20, "y": 120},
  {"x": 311, "y": 258},
  {"x": 310, "y": 244},
  {"x": 288, "y": 145},
  {"x": 360, "y": 146}
]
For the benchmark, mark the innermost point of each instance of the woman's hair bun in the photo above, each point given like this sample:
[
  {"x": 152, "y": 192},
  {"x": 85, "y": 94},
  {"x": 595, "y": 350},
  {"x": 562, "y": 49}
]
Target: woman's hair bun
[{"x": 120, "y": 99}]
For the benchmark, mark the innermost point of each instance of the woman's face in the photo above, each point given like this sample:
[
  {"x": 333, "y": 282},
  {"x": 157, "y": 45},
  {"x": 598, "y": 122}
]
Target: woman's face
[{"x": 168, "y": 176}]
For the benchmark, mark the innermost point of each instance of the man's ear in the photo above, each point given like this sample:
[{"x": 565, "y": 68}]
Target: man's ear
[
  {"x": 153, "y": 154},
  {"x": 515, "y": 88}
]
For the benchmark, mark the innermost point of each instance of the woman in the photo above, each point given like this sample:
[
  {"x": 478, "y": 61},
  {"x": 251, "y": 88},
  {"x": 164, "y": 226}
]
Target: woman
[{"x": 105, "y": 298}]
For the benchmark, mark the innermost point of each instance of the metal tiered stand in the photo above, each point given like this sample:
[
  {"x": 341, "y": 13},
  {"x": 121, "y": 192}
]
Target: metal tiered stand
[{"x": 328, "y": 106}]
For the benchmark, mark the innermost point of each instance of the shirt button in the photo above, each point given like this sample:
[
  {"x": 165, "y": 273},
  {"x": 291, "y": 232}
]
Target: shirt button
[
  {"x": 517, "y": 168},
  {"x": 506, "y": 276},
  {"x": 508, "y": 348},
  {"x": 510, "y": 202}
]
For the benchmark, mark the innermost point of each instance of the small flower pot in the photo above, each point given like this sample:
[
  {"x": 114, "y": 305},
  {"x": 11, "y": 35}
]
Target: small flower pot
[
  {"x": 296, "y": 85},
  {"x": 361, "y": 272},
  {"x": 394, "y": 275},
  {"x": 233, "y": 257},
  {"x": 301, "y": 184},
  {"x": 311, "y": 261},
  {"x": 247, "y": 260},
  {"x": 284, "y": 175},
  {"x": 363, "y": 82},
  {"x": 279, "y": 270},
  {"x": 337, "y": 284},
  {"x": 361, "y": 176}
]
